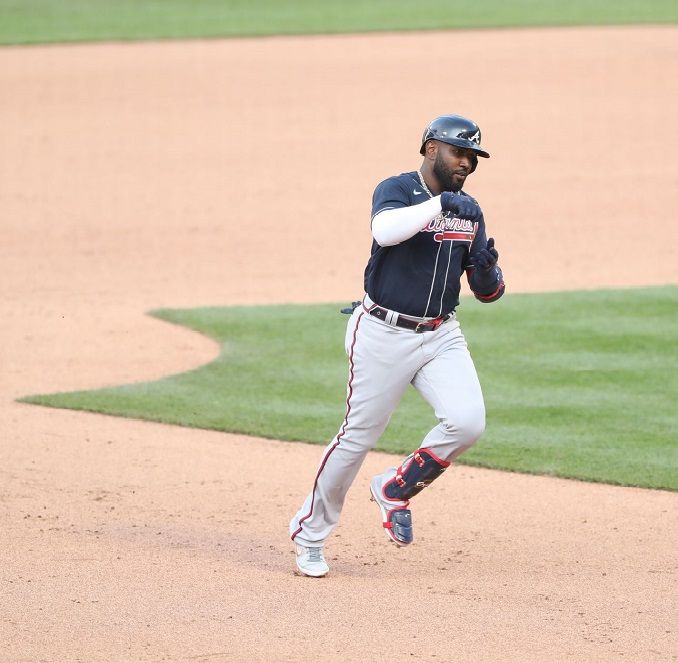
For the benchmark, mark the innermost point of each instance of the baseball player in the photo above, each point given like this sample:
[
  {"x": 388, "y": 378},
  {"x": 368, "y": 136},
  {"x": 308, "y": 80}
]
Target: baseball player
[{"x": 426, "y": 233}]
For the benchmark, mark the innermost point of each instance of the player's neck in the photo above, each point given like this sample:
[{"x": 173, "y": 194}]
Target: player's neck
[{"x": 430, "y": 180}]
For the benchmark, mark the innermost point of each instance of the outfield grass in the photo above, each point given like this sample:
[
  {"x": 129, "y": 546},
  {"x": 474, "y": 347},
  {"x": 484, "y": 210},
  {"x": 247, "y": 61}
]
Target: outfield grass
[
  {"x": 44, "y": 21},
  {"x": 579, "y": 385}
]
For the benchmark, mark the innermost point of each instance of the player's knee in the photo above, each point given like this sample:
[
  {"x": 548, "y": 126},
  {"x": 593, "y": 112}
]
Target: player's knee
[
  {"x": 471, "y": 433},
  {"x": 361, "y": 440},
  {"x": 466, "y": 428}
]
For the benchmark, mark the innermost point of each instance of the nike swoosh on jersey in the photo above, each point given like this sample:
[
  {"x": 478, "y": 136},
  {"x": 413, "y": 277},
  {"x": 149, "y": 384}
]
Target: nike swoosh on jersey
[{"x": 417, "y": 193}]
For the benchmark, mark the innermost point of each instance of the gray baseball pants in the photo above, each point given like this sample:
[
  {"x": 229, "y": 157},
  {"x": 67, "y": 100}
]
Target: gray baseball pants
[{"x": 383, "y": 361}]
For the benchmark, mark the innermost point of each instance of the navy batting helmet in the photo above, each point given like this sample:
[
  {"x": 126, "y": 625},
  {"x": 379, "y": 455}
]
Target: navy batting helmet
[{"x": 454, "y": 130}]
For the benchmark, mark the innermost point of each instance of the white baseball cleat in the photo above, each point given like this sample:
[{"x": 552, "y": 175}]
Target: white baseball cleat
[{"x": 311, "y": 561}]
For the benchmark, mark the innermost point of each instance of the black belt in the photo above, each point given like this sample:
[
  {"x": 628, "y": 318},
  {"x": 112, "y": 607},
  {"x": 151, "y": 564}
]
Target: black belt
[{"x": 417, "y": 326}]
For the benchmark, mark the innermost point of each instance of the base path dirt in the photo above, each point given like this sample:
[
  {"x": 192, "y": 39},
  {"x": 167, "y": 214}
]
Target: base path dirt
[{"x": 138, "y": 176}]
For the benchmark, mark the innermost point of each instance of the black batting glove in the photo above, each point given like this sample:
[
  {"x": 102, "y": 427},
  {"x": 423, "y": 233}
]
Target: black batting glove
[
  {"x": 486, "y": 274},
  {"x": 486, "y": 259},
  {"x": 462, "y": 207}
]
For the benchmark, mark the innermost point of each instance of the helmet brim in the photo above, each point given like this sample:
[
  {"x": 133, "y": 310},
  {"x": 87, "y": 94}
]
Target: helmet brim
[{"x": 459, "y": 142}]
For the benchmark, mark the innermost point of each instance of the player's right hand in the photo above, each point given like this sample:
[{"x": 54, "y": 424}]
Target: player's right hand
[
  {"x": 487, "y": 257},
  {"x": 462, "y": 207}
]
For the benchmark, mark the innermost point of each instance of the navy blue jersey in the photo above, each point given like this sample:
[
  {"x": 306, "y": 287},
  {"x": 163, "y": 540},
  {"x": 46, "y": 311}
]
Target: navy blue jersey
[{"x": 421, "y": 276}]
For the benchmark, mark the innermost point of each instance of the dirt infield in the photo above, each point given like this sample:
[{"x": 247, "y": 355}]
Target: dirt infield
[{"x": 225, "y": 172}]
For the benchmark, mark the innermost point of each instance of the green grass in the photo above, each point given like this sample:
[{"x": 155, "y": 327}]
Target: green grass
[
  {"x": 579, "y": 384},
  {"x": 44, "y": 21}
]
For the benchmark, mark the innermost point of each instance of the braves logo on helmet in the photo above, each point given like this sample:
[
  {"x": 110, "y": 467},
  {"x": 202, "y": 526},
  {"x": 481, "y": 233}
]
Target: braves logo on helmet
[{"x": 455, "y": 130}]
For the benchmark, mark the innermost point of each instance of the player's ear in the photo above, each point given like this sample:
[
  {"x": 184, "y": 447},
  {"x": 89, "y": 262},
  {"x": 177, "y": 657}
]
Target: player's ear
[{"x": 430, "y": 149}]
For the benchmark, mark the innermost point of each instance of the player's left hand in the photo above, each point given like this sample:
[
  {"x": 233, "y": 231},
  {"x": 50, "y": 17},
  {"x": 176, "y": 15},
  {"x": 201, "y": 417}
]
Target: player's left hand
[{"x": 486, "y": 259}]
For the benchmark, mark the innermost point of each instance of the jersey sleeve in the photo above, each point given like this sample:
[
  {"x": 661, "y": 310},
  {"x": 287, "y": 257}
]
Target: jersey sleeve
[{"x": 390, "y": 194}]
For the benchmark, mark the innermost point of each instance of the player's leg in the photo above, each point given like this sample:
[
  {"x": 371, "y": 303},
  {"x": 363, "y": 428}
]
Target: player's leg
[
  {"x": 449, "y": 383},
  {"x": 382, "y": 363}
]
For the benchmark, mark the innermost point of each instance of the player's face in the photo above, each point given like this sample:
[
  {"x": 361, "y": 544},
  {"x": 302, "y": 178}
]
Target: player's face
[{"x": 452, "y": 165}]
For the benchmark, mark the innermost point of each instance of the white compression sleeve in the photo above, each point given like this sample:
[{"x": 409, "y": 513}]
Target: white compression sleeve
[{"x": 393, "y": 226}]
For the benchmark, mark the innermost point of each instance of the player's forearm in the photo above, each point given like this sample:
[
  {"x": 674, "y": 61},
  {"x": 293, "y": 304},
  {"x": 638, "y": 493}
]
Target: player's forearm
[
  {"x": 393, "y": 226},
  {"x": 486, "y": 286}
]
